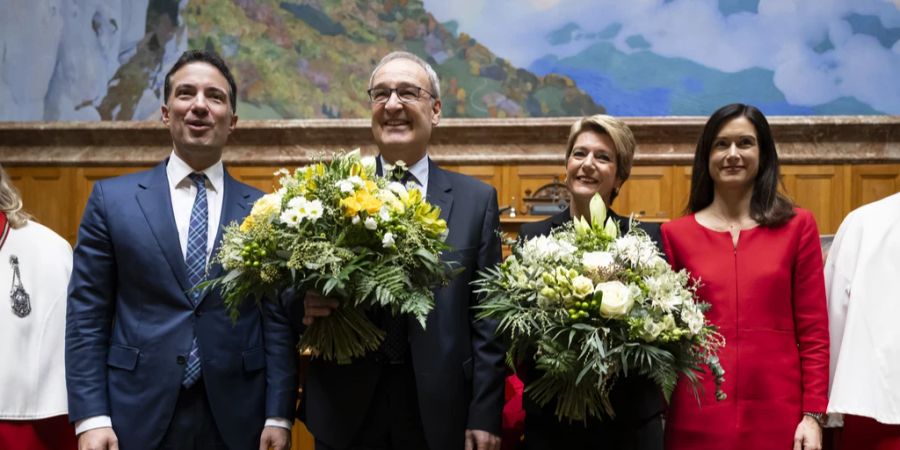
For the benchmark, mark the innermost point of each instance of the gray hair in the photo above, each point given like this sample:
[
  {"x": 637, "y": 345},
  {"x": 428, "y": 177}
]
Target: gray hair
[{"x": 432, "y": 75}]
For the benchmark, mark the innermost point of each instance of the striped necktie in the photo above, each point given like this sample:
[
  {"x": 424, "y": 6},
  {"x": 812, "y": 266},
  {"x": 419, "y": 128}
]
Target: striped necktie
[{"x": 195, "y": 261}]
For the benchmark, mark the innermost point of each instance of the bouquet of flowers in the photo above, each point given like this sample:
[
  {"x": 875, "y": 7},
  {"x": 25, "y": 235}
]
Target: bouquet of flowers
[
  {"x": 337, "y": 228},
  {"x": 588, "y": 306}
]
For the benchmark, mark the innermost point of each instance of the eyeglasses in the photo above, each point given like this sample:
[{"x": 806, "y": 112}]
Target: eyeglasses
[{"x": 406, "y": 94}]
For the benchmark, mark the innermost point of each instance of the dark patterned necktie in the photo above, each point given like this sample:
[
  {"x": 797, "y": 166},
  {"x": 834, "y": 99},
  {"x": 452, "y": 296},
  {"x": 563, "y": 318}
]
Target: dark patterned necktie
[
  {"x": 396, "y": 343},
  {"x": 195, "y": 261}
]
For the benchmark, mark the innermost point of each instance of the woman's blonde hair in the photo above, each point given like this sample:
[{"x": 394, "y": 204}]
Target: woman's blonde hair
[
  {"x": 11, "y": 202},
  {"x": 620, "y": 134}
]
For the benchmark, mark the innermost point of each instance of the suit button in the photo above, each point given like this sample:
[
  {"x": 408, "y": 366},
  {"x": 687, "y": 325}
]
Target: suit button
[
  {"x": 180, "y": 359},
  {"x": 198, "y": 313}
]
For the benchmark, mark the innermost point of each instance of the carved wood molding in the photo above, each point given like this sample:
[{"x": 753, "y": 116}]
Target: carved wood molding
[{"x": 664, "y": 140}]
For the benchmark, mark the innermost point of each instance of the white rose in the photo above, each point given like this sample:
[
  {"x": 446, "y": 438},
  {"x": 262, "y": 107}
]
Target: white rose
[
  {"x": 582, "y": 286},
  {"x": 593, "y": 261},
  {"x": 388, "y": 240},
  {"x": 354, "y": 220},
  {"x": 370, "y": 223},
  {"x": 617, "y": 299}
]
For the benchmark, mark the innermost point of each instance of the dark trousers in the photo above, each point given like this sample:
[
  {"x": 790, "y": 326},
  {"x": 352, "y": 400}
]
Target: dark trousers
[
  {"x": 392, "y": 421},
  {"x": 192, "y": 426},
  {"x": 549, "y": 433}
]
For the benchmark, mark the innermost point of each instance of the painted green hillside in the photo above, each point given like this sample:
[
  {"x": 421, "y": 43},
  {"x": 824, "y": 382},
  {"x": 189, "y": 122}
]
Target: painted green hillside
[{"x": 312, "y": 59}]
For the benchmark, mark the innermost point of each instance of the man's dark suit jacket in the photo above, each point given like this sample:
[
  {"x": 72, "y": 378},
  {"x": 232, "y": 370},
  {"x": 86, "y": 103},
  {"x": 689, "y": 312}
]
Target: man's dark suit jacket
[
  {"x": 637, "y": 401},
  {"x": 130, "y": 322},
  {"x": 458, "y": 362}
]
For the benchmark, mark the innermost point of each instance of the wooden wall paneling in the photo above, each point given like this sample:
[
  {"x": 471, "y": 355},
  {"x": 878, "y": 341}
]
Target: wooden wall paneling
[
  {"x": 872, "y": 182},
  {"x": 819, "y": 189},
  {"x": 84, "y": 178},
  {"x": 47, "y": 195},
  {"x": 681, "y": 189},
  {"x": 490, "y": 174},
  {"x": 524, "y": 180},
  {"x": 647, "y": 193},
  {"x": 262, "y": 178}
]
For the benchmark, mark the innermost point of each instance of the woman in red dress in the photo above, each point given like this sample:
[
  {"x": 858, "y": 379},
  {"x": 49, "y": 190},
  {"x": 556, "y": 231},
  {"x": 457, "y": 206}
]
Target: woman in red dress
[{"x": 760, "y": 265}]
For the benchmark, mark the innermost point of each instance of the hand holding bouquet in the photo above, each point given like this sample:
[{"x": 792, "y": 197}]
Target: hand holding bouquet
[
  {"x": 335, "y": 228},
  {"x": 590, "y": 306}
]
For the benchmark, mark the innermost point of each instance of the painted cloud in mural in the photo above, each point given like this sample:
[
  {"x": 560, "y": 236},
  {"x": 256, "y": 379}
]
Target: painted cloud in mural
[{"x": 818, "y": 51}]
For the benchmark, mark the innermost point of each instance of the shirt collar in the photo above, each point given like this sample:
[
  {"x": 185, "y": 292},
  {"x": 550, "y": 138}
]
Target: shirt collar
[{"x": 177, "y": 171}]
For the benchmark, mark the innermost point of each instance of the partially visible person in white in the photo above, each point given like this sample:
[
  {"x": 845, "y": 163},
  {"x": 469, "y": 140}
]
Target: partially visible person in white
[
  {"x": 862, "y": 277},
  {"x": 35, "y": 264}
]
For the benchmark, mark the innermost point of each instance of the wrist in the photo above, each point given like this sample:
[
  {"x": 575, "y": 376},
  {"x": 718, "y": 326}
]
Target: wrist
[{"x": 817, "y": 417}]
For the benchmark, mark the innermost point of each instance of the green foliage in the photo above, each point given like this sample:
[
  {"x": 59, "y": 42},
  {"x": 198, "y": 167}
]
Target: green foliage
[
  {"x": 334, "y": 228},
  {"x": 589, "y": 306}
]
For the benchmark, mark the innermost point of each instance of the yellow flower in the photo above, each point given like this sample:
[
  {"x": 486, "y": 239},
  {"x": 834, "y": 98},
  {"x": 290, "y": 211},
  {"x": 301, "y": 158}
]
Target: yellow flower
[
  {"x": 351, "y": 206},
  {"x": 361, "y": 200},
  {"x": 413, "y": 197},
  {"x": 429, "y": 217},
  {"x": 266, "y": 207},
  {"x": 370, "y": 203},
  {"x": 247, "y": 224}
]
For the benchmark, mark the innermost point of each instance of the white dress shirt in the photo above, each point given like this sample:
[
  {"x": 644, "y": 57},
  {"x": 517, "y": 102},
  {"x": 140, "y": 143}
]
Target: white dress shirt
[
  {"x": 862, "y": 281},
  {"x": 183, "y": 192}
]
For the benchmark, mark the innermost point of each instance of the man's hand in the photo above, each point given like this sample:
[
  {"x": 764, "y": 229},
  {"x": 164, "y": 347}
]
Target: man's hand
[
  {"x": 98, "y": 439},
  {"x": 808, "y": 435},
  {"x": 275, "y": 438},
  {"x": 314, "y": 305},
  {"x": 481, "y": 440}
]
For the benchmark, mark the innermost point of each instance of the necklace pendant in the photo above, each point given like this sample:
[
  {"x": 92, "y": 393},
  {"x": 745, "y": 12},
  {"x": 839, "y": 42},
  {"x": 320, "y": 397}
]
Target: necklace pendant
[{"x": 21, "y": 302}]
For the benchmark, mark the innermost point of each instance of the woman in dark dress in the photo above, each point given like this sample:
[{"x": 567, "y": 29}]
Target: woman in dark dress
[{"x": 599, "y": 154}]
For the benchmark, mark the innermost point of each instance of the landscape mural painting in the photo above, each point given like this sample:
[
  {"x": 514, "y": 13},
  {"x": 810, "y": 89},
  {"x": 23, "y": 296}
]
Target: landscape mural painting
[{"x": 301, "y": 59}]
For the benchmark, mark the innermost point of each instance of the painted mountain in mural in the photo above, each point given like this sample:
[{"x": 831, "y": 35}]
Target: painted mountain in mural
[
  {"x": 106, "y": 60},
  {"x": 643, "y": 83},
  {"x": 309, "y": 59}
]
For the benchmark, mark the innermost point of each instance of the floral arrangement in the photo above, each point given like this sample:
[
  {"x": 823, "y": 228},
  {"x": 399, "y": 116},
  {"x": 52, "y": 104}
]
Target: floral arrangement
[
  {"x": 337, "y": 228},
  {"x": 588, "y": 306}
]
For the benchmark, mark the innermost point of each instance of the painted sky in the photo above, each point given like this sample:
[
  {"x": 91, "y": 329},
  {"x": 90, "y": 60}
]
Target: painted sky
[{"x": 819, "y": 50}]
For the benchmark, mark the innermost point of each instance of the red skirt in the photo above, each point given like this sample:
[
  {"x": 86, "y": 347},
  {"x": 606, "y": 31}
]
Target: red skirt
[
  {"x": 54, "y": 433},
  {"x": 863, "y": 433}
]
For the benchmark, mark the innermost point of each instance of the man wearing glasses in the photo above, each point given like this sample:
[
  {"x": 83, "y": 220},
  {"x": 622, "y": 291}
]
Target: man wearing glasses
[{"x": 438, "y": 388}]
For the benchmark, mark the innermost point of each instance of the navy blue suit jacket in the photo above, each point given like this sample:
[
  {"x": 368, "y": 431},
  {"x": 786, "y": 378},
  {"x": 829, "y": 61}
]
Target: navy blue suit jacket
[
  {"x": 458, "y": 361},
  {"x": 130, "y": 323}
]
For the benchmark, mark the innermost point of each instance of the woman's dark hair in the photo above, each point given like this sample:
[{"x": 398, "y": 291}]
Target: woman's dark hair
[{"x": 768, "y": 207}]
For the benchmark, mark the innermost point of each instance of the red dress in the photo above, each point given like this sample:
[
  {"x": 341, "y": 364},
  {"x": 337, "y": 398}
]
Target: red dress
[{"x": 768, "y": 300}]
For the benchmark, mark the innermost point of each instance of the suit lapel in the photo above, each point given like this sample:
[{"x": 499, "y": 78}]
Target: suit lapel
[
  {"x": 155, "y": 202},
  {"x": 235, "y": 206},
  {"x": 440, "y": 191}
]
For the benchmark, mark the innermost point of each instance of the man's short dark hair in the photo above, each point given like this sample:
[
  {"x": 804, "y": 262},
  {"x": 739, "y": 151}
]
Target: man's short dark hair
[{"x": 209, "y": 57}]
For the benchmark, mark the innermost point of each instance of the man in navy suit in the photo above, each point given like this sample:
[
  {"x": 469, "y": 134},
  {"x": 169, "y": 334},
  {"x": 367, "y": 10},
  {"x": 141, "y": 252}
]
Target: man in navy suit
[
  {"x": 438, "y": 388},
  {"x": 151, "y": 361}
]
